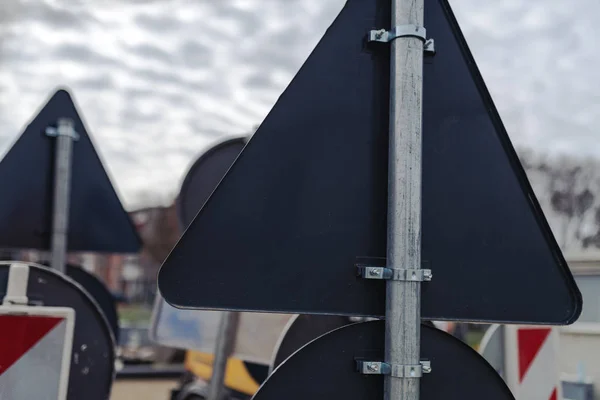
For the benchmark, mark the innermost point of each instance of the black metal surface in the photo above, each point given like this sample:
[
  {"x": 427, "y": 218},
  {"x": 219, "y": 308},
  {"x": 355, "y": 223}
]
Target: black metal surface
[
  {"x": 304, "y": 329},
  {"x": 93, "y": 358},
  {"x": 200, "y": 181},
  {"x": 258, "y": 372},
  {"x": 204, "y": 176},
  {"x": 325, "y": 369},
  {"x": 99, "y": 292},
  {"x": 307, "y": 198},
  {"x": 95, "y": 288},
  {"x": 97, "y": 220}
]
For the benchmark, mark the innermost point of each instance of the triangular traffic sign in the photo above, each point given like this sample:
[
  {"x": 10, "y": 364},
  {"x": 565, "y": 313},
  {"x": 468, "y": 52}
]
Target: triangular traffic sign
[
  {"x": 306, "y": 201},
  {"x": 97, "y": 220}
]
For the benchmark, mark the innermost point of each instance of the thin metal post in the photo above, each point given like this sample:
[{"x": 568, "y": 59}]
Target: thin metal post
[
  {"x": 403, "y": 298},
  {"x": 65, "y": 134},
  {"x": 228, "y": 328}
]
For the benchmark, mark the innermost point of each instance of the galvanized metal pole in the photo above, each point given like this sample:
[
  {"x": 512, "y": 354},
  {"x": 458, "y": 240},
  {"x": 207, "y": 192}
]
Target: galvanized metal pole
[
  {"x": 65, "y": 135},
  {"x": 403, "y": 298},
  {"x": 228, "y": 328}
]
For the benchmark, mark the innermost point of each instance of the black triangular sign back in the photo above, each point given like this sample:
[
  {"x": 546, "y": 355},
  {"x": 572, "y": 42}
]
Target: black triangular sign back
[
  {"x": 307, "y": 198},
  {"x": 97, "y": 220}
]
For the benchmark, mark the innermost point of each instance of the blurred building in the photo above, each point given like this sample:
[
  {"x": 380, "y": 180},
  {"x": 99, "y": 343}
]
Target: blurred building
[{"x": 132, "y": 276}]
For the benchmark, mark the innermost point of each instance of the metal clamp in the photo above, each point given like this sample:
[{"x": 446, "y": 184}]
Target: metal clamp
[
  {"x": 64, "y": 128},
  {"x": 411, "y": 275},
  {"x": 395, "y": 370},
  {"x": 418, "y": 32}
]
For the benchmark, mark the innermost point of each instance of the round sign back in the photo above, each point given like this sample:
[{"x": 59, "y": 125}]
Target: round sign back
[
  {"x": 326, "y": 368},
  {"x": 93, "y": 355},
  {"x": 204, "y": 176}
]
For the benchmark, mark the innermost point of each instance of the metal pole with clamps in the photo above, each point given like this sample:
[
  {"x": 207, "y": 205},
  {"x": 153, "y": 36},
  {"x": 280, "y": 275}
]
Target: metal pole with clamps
[
  {"x": 402, "y": 366},
  {"x": 65, "y": 134}
]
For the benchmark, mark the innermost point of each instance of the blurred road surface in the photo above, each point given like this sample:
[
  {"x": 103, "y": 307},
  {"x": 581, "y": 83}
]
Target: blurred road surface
[{"x": 143, "y": 389}]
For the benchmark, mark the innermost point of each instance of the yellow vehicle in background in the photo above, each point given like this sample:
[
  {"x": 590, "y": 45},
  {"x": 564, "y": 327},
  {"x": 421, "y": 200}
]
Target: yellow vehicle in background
[{"x": 242, "y": 379}]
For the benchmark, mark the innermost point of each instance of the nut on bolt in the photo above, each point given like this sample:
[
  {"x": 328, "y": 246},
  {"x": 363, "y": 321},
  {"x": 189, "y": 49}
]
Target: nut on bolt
[
  {"x": 373, "y": 367},
  {"x": 426, "y": 366}
]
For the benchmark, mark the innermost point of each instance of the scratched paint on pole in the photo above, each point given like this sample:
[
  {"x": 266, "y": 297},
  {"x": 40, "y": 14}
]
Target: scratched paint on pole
[{"x": 306, "y": 200}]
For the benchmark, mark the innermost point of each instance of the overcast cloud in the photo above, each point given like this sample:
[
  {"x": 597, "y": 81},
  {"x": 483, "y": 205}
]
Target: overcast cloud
[{"x": 159, "y": 81}]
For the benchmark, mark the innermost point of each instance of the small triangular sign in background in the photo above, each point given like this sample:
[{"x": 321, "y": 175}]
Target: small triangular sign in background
[
  {"x": 307, "y": 198},
  {"x": 97, "y": 220}
]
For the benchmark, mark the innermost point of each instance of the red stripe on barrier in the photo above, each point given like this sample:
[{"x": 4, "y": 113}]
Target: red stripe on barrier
[
  {"x": 530, "y": 342},
  {"x": 19, "y": 333}
]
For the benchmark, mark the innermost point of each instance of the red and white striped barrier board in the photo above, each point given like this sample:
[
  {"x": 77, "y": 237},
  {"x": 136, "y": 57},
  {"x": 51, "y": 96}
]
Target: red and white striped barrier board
[
  {"x": 35, "y": 344},
  {"x": 532, "y": 362}
]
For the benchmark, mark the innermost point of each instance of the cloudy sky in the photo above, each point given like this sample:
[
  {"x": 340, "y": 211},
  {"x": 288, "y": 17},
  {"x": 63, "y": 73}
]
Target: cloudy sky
[{"x": 159, "y": 81}]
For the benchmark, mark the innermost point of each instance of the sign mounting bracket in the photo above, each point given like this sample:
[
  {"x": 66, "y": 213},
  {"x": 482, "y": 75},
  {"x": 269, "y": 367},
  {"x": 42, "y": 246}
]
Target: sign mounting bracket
[
  {"x": 383, "y": 36},
  {"x": 395, "y": 370},
  {"x": 395, "y": 274}
]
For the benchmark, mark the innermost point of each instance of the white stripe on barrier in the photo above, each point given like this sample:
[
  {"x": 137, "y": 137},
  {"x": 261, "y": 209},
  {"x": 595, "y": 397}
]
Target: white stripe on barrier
[
  {"x": 532, "y": 362},
  {"x": 16, "y": 289},
  {"x": 540, "y": 380}
]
